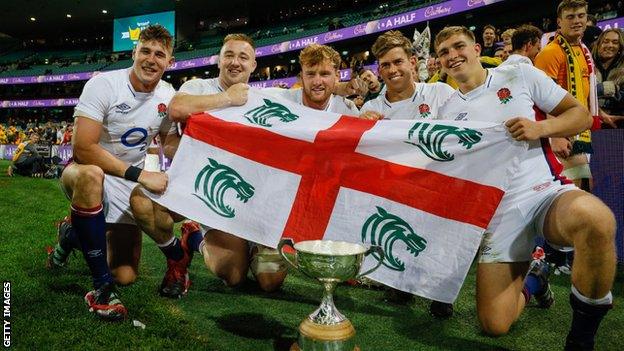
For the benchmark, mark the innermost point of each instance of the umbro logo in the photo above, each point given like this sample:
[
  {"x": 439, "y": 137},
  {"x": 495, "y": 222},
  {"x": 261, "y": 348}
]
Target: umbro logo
[
  {"x": 461, "y": 116},
  {"x": 123, "y": 108}
]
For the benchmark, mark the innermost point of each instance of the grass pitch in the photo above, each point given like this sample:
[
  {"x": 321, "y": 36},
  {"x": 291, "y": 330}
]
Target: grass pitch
[{"x": 48, "y": 313}]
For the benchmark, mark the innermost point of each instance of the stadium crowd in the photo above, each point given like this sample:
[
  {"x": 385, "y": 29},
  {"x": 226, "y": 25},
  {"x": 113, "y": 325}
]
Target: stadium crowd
[{"x": 448, "y": 78}]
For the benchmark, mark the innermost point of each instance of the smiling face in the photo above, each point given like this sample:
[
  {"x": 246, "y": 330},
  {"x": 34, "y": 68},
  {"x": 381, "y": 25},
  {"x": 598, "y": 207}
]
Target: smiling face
[
  {"x": 151, "y": 59},
  {"x": 572, "y": 23},
  {"x": 609, "y": 46},
  {"x": 395, "y": 68},
  {"x": 488, "y": 37},
  {"x": 459, "y": 57},
  {"x": 237, "y": 61},
  {"x": 318, "y": 83}
]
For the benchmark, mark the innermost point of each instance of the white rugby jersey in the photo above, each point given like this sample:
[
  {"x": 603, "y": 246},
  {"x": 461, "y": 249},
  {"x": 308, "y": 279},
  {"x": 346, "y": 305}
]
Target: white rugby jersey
[
  {"x": 202, "y": 87},
  {"x": 424, "y": 103},
  {"x": 337, "y": 104},
  {"x": 515, "y": 59},
  {"x": 130, "y": 119},
  {"x": 514, "y": 91}
]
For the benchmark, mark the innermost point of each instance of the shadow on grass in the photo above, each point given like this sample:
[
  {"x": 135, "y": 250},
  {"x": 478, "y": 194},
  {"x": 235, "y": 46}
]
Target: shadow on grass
[{"x": 259, "y": 327}]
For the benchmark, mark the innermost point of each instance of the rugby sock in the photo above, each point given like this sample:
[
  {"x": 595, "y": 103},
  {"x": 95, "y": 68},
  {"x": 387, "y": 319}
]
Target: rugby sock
[
  {"x": 195, "y": 238},
  {"x": 90, "y": 228},
  {"x": 172, "y": 249},
  {"x": 586, "y": 317},
  {"x": 534, "y": 284}
]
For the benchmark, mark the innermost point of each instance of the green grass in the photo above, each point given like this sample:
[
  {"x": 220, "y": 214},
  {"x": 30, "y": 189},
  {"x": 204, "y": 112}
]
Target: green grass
[{"x": 47, "y": 311}]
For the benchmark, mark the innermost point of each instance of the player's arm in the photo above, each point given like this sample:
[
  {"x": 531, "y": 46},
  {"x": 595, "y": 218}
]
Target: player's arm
[
  {"x": 183, "y": 105},
  {"x": 170, "y": 143},
  {"x": 87, "y": 150},
  {"x": 571, "y": 119}
]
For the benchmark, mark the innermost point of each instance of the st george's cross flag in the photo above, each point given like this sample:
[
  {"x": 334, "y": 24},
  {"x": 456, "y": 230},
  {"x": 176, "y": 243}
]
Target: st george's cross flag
[{"x": 423, "y": 190}]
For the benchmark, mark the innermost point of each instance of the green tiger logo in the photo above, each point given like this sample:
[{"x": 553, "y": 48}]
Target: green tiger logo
[
  {"x": 385, "y": 229},
  {"x": 214, "y": 180},
  {"x": 431, "y": 136},
  {"x": 262, "y": 114}
]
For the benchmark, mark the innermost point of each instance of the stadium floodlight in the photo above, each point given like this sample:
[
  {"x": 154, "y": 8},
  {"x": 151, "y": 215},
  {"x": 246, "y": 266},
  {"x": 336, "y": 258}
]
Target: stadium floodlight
[
  {"x": 104, "y": 11},
  {"x": 68, "y": 15},
  {"x": 33, "y": 19}
]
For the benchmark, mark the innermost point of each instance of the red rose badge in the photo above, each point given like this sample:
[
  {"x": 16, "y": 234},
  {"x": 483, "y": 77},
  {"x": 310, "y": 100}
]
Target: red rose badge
[
  {"x": 424, "y": 110},
  {"x": 504, "y": 95}
]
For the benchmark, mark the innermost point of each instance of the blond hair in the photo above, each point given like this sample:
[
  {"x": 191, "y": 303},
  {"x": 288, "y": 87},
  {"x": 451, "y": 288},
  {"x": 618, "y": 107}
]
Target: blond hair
[
  {"x": 314, "y": 54},
  {"x": 448, "y": 32},
  {"x": 390, "y": 40},
  {"x": 240, "y": 37}
]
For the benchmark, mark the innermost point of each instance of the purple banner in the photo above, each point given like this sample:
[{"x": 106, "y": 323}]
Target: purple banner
[
  {"x": 611, "y": 23},
  {"x": 64, "y": 152},
  {"x": 345, "y": 74},
  {"x": 405, "y": 19},
  {"x": 38, "y": 103},
  {"x": 444, "y": 9},
  {"x": 48, "y": 79}
]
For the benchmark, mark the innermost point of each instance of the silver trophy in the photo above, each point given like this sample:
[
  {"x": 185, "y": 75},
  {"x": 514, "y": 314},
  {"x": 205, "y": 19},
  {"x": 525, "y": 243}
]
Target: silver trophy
[{"x": 329, "y": 262}]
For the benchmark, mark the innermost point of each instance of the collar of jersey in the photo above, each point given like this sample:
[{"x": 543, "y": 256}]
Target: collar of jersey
[
  {"x": 480, "y": 89},
  {"x": 409, "y": 99}
]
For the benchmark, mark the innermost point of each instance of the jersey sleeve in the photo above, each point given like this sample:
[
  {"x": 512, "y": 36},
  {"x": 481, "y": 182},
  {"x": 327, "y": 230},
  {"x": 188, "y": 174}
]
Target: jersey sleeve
[
  {"x": 549, "y": 60},
  {"x": 95, "y": 100},
  {"x": 192, "y": 87},
  {"x": 544, "y": 91}
]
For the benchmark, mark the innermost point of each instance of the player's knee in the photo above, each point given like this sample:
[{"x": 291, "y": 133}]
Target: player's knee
[
  {"x": 232, "y": 276},
  {"x": 124, "y": 275},
  {"x": 493, "y": 326},
  {"x": 139, "y": 203},
  {"x": 270, "y": 282},
  {"x": 90, "y": 178},
  {"x": 595, "y": 224}
]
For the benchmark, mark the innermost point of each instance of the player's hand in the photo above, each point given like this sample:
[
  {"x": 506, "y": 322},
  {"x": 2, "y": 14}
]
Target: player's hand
[
  {"x": 608, "y": 119},
  {"x": 371, "y": 115},
  {"x": 357, "y": 86},
  {"x": 522, "y": 128},
  {"x": 561, "y": 147},
  {"x": 155, "y": 182},
  {"x": 237, "y": 94}
]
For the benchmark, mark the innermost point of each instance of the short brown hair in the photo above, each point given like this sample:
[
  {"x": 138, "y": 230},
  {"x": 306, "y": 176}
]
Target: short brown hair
[
  {"x": 241, "y": 37},
  {"x": 390, "y": 40},
  {"x": 314, "y": 54},
  {"x": 489, "y": 26},
  {"x": 158, "y": 33},
  {"x": 525, "y": 34},
  {"x": 570, "y": 5},
  {"x": 448, "y": 32}
]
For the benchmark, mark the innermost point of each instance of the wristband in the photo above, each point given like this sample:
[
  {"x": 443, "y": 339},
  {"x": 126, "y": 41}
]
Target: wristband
[{"x": 132, "y": 173}]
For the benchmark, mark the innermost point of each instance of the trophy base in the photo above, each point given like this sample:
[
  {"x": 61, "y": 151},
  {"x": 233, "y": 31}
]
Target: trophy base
[{"x": 319, "y": 337}]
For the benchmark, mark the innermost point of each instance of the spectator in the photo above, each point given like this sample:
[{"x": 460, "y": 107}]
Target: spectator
[
  {"x": 608, "y": 54},
  {"x": 26, "y": 160},
  {"x": 67, "y": 136},
  {"x": 375, "y": 86},
  {"x": 489, "y": 38},
  {"x": 506, "y": 36}
]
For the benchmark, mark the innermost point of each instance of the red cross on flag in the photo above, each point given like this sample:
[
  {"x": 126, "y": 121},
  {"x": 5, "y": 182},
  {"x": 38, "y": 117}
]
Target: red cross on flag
[{"x": 424, "y": 190}]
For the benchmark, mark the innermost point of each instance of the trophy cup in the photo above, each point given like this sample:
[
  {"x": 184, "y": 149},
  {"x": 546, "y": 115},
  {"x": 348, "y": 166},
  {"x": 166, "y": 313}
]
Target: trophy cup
[{"x": 329, "y": 262}]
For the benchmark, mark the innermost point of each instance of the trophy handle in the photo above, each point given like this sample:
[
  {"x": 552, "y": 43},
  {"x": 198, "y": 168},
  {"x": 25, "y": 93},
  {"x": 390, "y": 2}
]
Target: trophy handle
[
  {"x": 374, "y": 249},
  {"x": 280, "y": 248}
]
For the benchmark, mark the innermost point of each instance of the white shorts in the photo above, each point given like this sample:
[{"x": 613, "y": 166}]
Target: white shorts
[
  {"x": 115, "y": 199},
  {"x": 520, "y": 217}
]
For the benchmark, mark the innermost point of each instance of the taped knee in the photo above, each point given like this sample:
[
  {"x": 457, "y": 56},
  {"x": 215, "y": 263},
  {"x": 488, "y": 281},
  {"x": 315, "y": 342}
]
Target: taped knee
[{"x": 267, "y": 260}]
